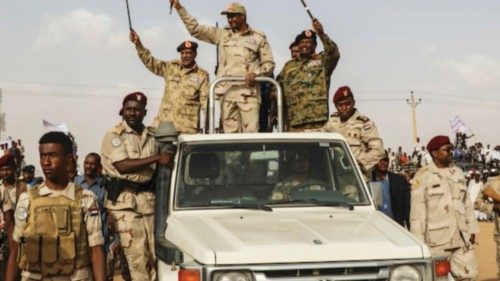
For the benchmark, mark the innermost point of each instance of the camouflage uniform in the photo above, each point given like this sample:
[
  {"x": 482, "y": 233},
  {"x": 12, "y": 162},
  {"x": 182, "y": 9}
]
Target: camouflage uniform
[
  {"x": 442, "y": 216},
  {"x": 133, "y": 212},
  {"x": 306, "y": 83},
  {"x": 91, "y": 220},
  {"x": 186, "y": 91},
  {"x": 361, "y": 135},
  {"x": 494, "y": 184},
  {"x": 239, "y": 54}
]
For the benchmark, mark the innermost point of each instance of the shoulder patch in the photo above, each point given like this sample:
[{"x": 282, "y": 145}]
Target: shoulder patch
[
  {"x": 21, "y": 213},
  {"x": 116, "y": 142},
  {"x": 362, "y": 118},
  {"x": 415, "y": 184}
]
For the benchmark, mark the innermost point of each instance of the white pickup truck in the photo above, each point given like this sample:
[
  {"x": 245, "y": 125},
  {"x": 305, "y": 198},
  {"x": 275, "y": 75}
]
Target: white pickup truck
[{"x": 277, "y": 206}]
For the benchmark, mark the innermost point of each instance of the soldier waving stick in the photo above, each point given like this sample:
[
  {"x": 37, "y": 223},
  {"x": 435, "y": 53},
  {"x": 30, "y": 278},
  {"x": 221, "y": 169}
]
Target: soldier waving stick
[
  {"x": 128, "y": 14},
  {"x": 307, "y": 9}
]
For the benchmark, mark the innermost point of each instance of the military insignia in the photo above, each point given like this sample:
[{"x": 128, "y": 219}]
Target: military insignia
[
  {"x": 251, "y": 41},
  {"x": 345, "y": 93},
  {"x": 308, "y": 33},
  {"x": 415, "y": 184},
  {"x": 139, "y": 97},
  {"x": 116, "y": 142},
  {"x": 195, "y": 79},
  {"x": 231, "y": 6},
  {"x": 187, "y": 44},
  {"x": 94, "y": 211},
  {"x": 367, "y": 126},
  {"x": 21, "y": 213}
]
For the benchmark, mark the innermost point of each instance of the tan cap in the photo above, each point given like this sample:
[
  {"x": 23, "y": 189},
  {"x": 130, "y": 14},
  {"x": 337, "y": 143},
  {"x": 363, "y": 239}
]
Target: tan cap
[{"x": 234, "y": 8}]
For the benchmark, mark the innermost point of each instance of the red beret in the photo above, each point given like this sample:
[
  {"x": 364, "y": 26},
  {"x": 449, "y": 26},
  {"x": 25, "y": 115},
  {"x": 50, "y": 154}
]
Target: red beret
[
  {"x": 7, "y": 160},
  {"x": 136, "y": 96},
  {"x": 436, "y": 142},
  {"x": 342, "y": 93}
]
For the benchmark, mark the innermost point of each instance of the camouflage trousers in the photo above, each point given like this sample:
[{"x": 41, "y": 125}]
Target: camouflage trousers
[
  {"x": 462, "y": 262},
  {"x": 304, "y": 127},
  {"x": 137, "y": 241},
  {"x": 238, "y": 117}
]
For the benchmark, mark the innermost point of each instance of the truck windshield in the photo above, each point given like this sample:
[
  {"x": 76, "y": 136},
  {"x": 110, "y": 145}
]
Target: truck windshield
[{"x": 287, "y": 174}]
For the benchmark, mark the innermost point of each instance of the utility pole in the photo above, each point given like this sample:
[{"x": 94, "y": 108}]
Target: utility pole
[
  {"x": 2, "y": 117},
  {"x": 413, "y": 104}
]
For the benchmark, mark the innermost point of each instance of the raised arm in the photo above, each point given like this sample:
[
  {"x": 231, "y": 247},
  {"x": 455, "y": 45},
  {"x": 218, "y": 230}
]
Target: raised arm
[
  {"x": 154, "y": 65},
  {"x": 332, "y": 54},
  {"x": 209, "y": 34}
]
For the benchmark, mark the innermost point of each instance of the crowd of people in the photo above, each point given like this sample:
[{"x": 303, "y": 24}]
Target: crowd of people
[{"x": 69, "y": 226}]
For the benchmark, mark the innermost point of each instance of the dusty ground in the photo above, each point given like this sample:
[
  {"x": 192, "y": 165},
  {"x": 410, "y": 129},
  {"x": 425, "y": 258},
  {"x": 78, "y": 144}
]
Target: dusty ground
[{"x": 485, "y": 254}]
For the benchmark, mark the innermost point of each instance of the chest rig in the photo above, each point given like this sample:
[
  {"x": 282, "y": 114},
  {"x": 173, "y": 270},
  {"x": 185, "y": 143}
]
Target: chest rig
[{"x": 54, "y": 241}]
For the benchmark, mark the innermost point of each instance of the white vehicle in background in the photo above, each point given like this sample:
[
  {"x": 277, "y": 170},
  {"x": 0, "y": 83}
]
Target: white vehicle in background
[{"x": 226, "y": 211}]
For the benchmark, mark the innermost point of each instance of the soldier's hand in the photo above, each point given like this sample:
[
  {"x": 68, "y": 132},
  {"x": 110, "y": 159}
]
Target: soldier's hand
[
  {"x": 318, "y": 27},
  {"x": 164, "y": 158},
  {"x": 134, "y": 38},
  {"x": 176, "y": 4},
  {"x": 250, "y": 79}
]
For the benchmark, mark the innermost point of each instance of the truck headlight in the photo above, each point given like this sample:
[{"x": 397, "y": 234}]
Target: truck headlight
[
  {"x": 405, "y": 273},
  {"x": 232, "y": 276}
]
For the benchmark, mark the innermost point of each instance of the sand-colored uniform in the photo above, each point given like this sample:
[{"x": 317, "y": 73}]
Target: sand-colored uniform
[
  {"x": 239, "y": 54},
  {"x": 362, "y": 136},
  {"x": 91, "y": 222},
  {"x": 14, "y": 191},
  {"x": 493, "y": 183},
  {"x": 133, "y": 212},
  {"x": 306, "y": 83},
  {"x": 5, "y": 205},
  {"x": 185, "y": 93},
  {"x": 442, "y": 216}
]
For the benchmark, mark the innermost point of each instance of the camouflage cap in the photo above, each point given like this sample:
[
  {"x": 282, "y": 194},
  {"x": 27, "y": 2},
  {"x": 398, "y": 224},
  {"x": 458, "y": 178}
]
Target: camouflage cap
[
  {"x": 187, "y": 45},
  {"x": 308, "y": 33},
  {"x": 234, "y": 8}
]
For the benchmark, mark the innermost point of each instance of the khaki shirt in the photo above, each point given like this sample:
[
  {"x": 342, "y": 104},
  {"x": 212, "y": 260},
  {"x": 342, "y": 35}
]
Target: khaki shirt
[
  {"x": 5, "y": 203},
  {"x": 362, "y": 136},
  {"x": 120, "y": 143},
  {"x": 306, "y": 83},
  {"x": 185, "y": 93},
  {"x": 239, "y": 53},
  {"x": 494, "y": 184},
  {"x": 441, "y": 212},
  {"x": 91, "y": 218}
]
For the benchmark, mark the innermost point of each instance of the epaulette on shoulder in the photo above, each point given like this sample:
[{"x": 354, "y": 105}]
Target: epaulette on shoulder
[
  {"x": 118, "y": 129},
  {"x": 335, "y": 114},
  {"x": 203, "y": 71},
  {"x": 259, "y": 32},
  {"x": 362, "y": 118},
  {"x": 151, "y": 129}
]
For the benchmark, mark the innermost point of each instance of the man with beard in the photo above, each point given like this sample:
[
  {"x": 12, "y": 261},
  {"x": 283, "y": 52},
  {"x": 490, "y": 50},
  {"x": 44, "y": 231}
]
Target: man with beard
[
  {"x": 306, "y": 80},
  {"x": 441, "y": 213},
  {"x": 360, "y": 133},
  {"x": 243, "y": 52},
  {"x": 57, "y": 223},
  {"x": 130, "y": 154},
  {"x": 186, "y": 86}
]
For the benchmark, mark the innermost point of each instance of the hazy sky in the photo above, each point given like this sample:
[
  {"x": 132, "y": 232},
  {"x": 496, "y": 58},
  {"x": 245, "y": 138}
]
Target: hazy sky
[{"x": 71, "y": 61}]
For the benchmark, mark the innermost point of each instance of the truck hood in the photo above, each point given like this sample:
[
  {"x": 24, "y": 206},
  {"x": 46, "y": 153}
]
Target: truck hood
[{"x": 309, "y": 234}]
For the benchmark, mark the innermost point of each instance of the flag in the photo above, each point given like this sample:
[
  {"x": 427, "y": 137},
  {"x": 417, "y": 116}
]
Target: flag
[
  {"x": 457, "y": 125},
  {"x": 55, "y": 127}
]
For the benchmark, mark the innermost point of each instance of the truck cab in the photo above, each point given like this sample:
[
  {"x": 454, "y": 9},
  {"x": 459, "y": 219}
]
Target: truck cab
[{"x": 277, "y": 206}]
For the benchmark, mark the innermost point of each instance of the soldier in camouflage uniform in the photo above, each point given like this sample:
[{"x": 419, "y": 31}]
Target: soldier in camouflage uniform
[
  {"x": 306, "y": 81},
  {"x": 360, "y": 133},
  {"x": 186, "y": 86},
  {"x": 492, "y": 190},
  {"x": 243, "y": 52},
  {"x": 6, "y": 222},
  {"x": 441, "y": 213}
]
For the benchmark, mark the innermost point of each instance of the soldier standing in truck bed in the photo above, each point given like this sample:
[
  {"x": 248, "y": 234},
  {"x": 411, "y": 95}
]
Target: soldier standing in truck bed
[
  {"x": 186, "y": 86},
  {"x": 129, "y": 156},
  {"x": 244, "y": 52},
  {"x": 306, "y": 80}
]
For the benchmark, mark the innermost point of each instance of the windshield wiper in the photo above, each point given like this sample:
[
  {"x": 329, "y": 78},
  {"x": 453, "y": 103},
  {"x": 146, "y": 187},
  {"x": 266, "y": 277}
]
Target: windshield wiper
[
  {"x": 317, "y": 202},
  {"x": 243, "y": 206}
]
